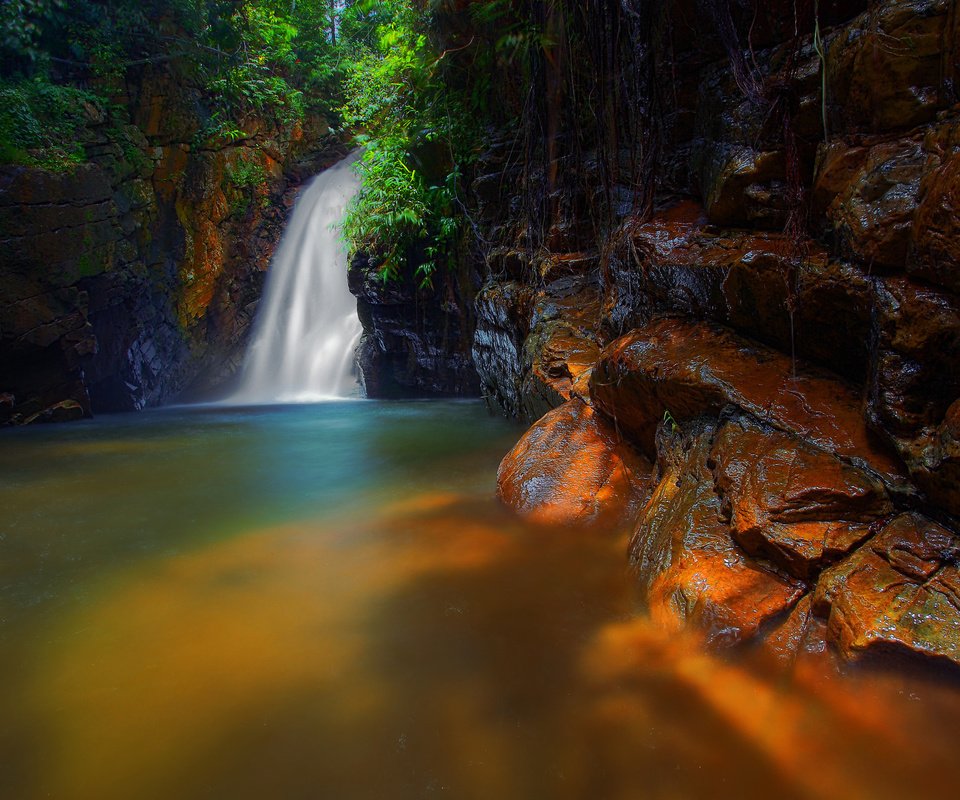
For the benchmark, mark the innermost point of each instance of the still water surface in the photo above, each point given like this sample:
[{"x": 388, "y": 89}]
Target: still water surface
[{"x": 327, "y": 602}]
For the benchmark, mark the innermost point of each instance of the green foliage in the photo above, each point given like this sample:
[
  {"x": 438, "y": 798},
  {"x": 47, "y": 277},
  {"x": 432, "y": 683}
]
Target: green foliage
[
  {"x": 419, "y": 132},
  {"x": 371, "y": 67},
  {"x": 255, "y": 79},
  {"x": 246, "y": 174},
  {"x": 41, "y": 123},
  {"x": 21, "y": 25}
]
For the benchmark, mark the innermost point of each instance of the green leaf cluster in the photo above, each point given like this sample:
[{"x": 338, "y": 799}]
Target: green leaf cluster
[
  {"x": 41, "y": 123},
  {"x": 418, "y": 132}
]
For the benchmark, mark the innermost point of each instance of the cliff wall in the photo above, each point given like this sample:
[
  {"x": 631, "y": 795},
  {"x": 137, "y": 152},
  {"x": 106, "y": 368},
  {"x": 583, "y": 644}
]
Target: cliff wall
[
  {"x": 749, "y": 277},
  {"x": 133, "y": 278}
]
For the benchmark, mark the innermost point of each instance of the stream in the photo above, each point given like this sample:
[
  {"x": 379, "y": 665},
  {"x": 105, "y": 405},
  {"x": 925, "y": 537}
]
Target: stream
[{"x": 327, "y": 601}]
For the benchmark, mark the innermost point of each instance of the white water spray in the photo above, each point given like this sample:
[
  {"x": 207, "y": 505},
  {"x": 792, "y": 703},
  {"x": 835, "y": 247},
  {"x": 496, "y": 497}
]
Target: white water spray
[{"x": 306, "y": 329}]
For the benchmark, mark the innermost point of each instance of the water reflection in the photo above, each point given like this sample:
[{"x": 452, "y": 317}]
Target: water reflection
[{"x": 402, "y": 640}]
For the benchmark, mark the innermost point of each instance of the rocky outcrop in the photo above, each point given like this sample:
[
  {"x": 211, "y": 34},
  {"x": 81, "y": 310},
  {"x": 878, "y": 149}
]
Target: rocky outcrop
[
  {"x": 686, "y": 369},
  {"x": 416, "y": 338},
  {"x": 777, "y": 326},
  {"x": 900, "y": 593},
  {"x": 133, "y": 278},
  {"x": 791, "y": 502},
  {"x": 685, "y": 555},
  {"x": 573, "y": 467}
]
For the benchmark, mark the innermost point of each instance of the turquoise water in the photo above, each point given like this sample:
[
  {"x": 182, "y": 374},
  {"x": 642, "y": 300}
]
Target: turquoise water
[{"x": 326, "y": 601}]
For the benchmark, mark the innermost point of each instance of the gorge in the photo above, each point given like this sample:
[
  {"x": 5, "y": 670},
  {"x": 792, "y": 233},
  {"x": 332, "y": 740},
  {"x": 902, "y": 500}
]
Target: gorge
[{"x": 705, "y": 252}]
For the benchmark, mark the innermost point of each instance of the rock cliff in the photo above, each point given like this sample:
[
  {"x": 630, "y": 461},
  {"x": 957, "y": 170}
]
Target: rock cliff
[
  {"x": 133, "y": 277},
  {"x": 755, "y": 288}
]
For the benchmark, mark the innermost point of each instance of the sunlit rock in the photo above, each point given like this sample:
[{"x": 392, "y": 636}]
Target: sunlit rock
[
  {"x": 899, "y": 592},
  {"x": 686, "y": 558},
  {"x": 790, "y": 502},
  {"x": 689, "y": 369},
  {"x": 573, "y": 467}
]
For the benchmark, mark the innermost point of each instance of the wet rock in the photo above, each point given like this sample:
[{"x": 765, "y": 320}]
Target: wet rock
[
  {"x": 790, "y": 502},
  {"x": 801, "y": 632},
  {"x": 562, "y": 346},
  {"x": 934, "y": 461},
  {"x": 686, "y": 559},
  {"x": 900, "y": 592},
  {"x": 873, "y": 214},
  {"x": 936, "y": 230},
  {"x": 884, "y": 68},
  {"x": 7, "y": 403},
  {"x": 689, "y": 369},
  {"x": 759, "y": 284},
  {"x": 64, "y": 411},
  {"x": 417, "y": 339},
  {"x": 746, "y": 187},
  {"x": 572, "y": 467},
  {"x": 913, "y": 376},
  {"x": 503, "y": 310}
]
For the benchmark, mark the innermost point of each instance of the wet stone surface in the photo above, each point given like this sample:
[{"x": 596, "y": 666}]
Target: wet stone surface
[{"x": 573, "y": 467}]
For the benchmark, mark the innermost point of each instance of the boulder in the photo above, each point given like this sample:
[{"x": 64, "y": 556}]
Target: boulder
[
  {"x": 688, "y": 369},
  {"x": 900, "y": 593},
  {"x": 790, "y": 502},
  {"x": 572, "y": 467},
  {"x": 689, "y": 565}
]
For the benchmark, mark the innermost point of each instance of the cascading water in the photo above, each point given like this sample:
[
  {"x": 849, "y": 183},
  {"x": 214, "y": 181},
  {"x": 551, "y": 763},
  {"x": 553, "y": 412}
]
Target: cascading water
[{"x": 306, "y": 329}]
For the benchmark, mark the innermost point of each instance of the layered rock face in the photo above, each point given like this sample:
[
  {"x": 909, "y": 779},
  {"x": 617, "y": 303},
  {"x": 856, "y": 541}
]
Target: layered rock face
[
  {"x": 134, "y": 277},
  {"x": 416, "y": 339},
  {"x": 777, "y": 330}
]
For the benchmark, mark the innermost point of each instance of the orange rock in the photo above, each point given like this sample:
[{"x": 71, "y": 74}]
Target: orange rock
[
  {"x": 899, "y": 592},
  {"x": 801, "y": 632},
  {"x": 562, "y": 347},
  {"x": 790, "y": 502},
  {"x": 571, "y": 467},
  {"x": 690, "y": 369},
  {"x": 685, "y": 555}
]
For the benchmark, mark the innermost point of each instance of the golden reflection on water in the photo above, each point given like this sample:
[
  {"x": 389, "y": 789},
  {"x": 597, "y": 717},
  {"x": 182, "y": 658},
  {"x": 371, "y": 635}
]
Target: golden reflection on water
[{"x": 435, "y": 646}]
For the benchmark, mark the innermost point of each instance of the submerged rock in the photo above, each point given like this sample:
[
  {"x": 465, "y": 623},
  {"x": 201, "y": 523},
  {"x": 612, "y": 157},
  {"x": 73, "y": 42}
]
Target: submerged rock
[{"x": 573, "y": 467}]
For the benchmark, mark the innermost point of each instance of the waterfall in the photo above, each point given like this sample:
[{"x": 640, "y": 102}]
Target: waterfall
[{"x": 306, "y": 329}]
